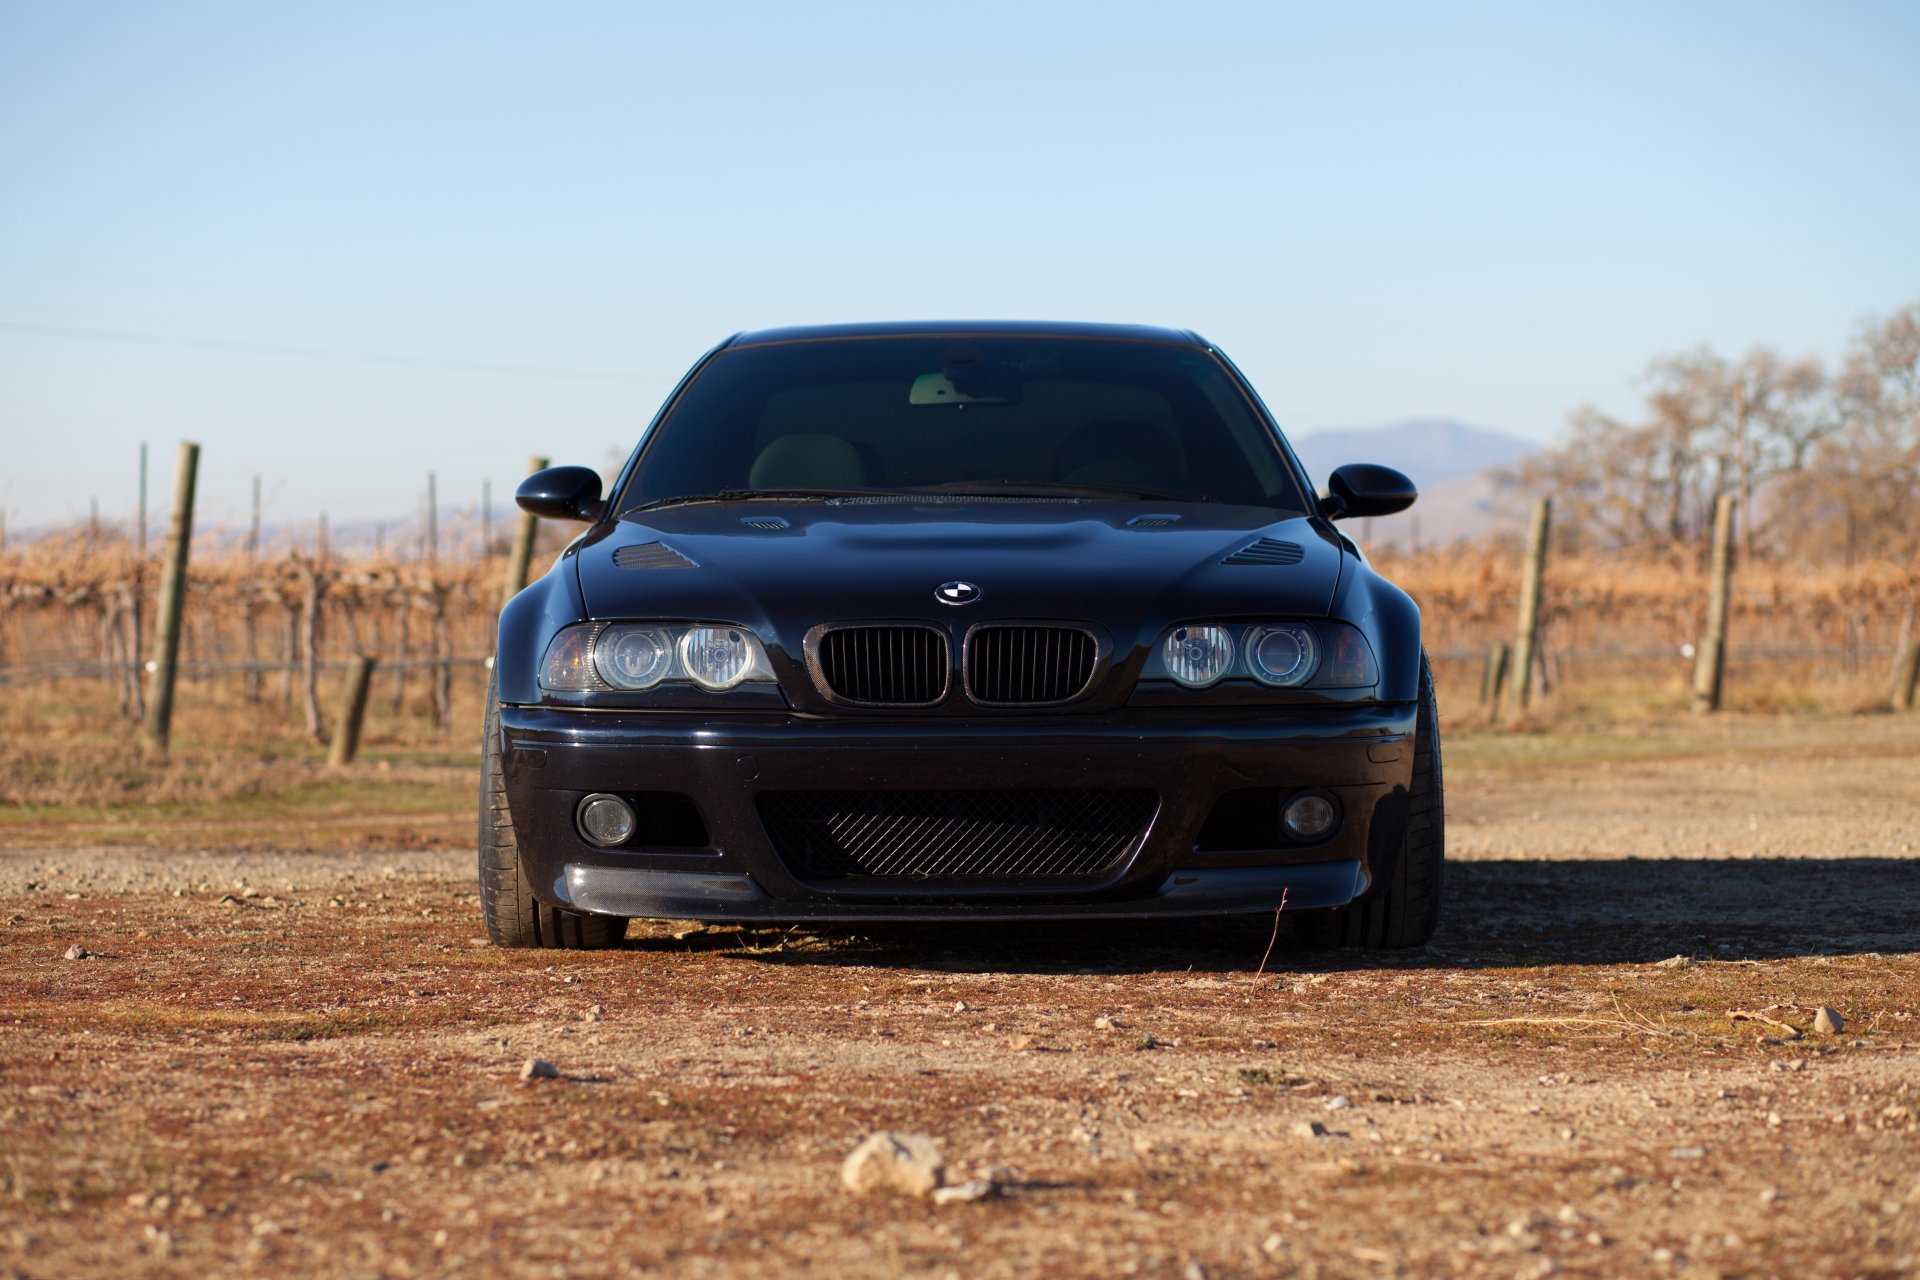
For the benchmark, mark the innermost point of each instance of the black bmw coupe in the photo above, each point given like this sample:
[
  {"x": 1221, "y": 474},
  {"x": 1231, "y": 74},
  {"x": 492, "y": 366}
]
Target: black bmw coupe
[{"x": 961, "y": 622}]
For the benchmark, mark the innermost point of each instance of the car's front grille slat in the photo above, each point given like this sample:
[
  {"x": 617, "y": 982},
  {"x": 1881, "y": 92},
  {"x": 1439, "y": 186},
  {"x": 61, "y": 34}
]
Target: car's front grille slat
[
  {"x": 966, "y": 836},
  {"x": 898, "y": 666},
  {"x": 1013, "y": 666}
]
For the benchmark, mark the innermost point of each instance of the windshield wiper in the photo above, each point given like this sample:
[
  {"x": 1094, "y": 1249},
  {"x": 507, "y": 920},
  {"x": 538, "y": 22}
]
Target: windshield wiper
[
  {"x": 747, "y": 495},
  {"x": 1058, "y": 489}
]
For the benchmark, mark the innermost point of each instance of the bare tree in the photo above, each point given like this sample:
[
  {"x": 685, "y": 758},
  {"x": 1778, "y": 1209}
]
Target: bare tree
[
  {"x": 1868, "y": 469},
  {"x": 1711, "y": 426}
]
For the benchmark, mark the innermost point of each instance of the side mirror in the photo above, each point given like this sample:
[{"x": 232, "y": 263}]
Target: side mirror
[
  {"x": 1364, "y": 489},
  {"x": 561, "y": 493}
]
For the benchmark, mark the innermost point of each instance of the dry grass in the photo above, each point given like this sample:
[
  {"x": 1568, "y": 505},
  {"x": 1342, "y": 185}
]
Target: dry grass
[{"x": 1803, "y": 641}]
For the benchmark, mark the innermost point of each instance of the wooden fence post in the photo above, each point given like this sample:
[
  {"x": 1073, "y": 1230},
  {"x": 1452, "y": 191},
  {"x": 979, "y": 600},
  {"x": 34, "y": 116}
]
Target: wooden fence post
[
  {"x": 173, "y": 594},
  {"x": 1494, "y": 674},
  {"x": 1906, "y": 672},
  {"x": 1710, "y": 662},
  {"x": 353, "y": 712},
  {"x": 522, "y": 544},
  {"x": 1528, "y": 636}
]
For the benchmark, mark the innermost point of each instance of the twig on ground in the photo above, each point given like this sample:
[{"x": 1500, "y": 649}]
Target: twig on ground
[
  {"x": 1747, "y": 1015},
  {"x": 1275, "y": 938}
]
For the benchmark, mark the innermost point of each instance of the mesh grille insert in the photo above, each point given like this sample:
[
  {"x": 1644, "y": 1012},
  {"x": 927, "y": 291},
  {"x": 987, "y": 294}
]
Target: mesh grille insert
[
  {"x": 885, "y": 666},
  {"x": 955, "y": 835},
  {"x": 1016, "y": 666}
]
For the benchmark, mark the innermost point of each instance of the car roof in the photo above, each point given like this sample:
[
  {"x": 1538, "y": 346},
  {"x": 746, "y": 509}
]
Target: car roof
[{"x": 968, "y": 329}]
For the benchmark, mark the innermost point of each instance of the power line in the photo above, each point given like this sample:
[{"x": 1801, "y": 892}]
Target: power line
[{"x": 241, "y": 347}]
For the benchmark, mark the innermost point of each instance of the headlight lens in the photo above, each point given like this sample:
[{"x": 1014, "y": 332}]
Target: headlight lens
[
  {"x": 1282, "y": 655},
  {"x": 569, "y": 664},
  {"x": 1197, "y": 655},
  {"x": 719, "y": 657},
  {"x": 631, "y": 657},
  {"x": 1349, "y": 659}
]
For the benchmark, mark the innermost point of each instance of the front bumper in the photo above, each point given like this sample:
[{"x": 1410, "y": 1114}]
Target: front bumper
[{"x": 1362, "y": 755}]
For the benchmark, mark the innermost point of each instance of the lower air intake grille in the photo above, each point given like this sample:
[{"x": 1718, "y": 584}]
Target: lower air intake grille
[
  {"x": 885, "y": 666},
  {"x": 1028, "y": 666},
  {"x": 955, "y": 835}
]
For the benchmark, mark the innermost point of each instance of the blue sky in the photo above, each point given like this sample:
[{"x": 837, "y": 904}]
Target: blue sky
[{"x": 344, "y": 244}]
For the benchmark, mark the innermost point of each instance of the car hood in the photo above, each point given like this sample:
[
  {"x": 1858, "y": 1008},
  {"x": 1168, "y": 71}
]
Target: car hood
[{"x": 785, "y": 567}]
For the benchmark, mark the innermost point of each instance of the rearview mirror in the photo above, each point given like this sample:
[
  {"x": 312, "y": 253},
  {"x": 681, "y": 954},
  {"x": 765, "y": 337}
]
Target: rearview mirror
[
  {"x": 561, "y": 493},
  {"x": 1366, "y": 489}
]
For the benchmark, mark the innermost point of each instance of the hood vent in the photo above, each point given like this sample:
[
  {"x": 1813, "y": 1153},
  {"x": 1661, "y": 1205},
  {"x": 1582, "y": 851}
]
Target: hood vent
[
  {"x": 773, "y": 524},
  {"x": 1268, "y": 551},
  {"x": 650, "y": 555},
  {"x": 1152, "y": 521}
]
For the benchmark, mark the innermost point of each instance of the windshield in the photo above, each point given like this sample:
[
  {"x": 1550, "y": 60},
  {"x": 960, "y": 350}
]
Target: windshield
[{"x": 988, "y": 415}]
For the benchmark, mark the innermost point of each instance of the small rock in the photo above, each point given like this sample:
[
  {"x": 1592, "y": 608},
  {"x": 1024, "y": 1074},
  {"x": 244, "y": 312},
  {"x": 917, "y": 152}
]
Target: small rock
[
  {"x": 1020, "y": 1044},
  {"x": 971, "y": 1189},
  {"x": 961, "y": 1006},
  {"x": 1273, "y": 1245},
  {"x": 1309, "y": 1129},
  {"x": 538, "y": 1069},
  {"x": 1526, "y": 1224},
  {"x": 1674, "y": 962},
  {"x": 78, "y": 952},
  {"x": 1338, "y": 1102},
  {"x": 1688, "y": 1153},
  {"x": 998, "y": 1174},
  {"x": 1828, "y": 1022},
  {"x": 594, "y": 1013},
  {"x": 1105, "y": 1023},
  {"x": 905, "y": 1162}
]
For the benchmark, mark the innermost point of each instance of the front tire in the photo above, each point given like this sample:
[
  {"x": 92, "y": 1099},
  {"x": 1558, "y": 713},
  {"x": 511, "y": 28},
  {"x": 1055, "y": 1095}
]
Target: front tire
[
  {"x": 1405, "y": 911},
  {"x": 515, "y": 918}
]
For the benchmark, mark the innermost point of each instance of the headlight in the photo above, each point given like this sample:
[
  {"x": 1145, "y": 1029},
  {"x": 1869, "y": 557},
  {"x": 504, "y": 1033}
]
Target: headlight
[
  {"x": 721, "y": 657},
  {"x": 569, "y": 664},
  {"x": 631, "y": 657},
  {"x": 1282, "y": 655},
  {"x": 1197, "y": 655}
]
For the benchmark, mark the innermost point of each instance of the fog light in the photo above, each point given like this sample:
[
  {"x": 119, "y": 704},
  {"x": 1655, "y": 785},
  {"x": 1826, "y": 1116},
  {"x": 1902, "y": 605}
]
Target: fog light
[
  {"x": 606, "y": 820},
  {"x": 1308, "y": 816}
]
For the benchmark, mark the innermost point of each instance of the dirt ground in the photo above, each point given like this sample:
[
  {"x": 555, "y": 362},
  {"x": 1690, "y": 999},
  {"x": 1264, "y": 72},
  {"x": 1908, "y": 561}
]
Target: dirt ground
[{"x": 295, "y": 1054}]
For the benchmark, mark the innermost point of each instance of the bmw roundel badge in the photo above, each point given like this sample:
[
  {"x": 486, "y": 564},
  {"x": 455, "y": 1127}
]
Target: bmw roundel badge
[{"x": 956, "y": 593}]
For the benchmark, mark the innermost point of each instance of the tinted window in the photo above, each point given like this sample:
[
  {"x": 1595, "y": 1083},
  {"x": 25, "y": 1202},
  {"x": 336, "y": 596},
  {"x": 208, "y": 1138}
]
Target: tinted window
[{"x": 907, "y": 413}]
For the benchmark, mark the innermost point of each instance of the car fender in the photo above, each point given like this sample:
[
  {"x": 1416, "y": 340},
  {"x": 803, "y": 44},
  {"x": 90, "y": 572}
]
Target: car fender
[
  {"x": 528, "y": 622},
  {"x": 1390, "y": 619}
]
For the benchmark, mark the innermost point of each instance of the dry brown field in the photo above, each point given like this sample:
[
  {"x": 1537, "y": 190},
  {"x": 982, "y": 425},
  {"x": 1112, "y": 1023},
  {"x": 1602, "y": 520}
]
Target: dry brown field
[
  {"x": 294, "y": 1054},
  {"x": 1613, "y": 639}
]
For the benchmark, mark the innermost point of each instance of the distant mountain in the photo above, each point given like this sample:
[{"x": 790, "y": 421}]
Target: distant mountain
[
  {"x": 1430, "y": 450},
  {"x": 1452, "y": 464}
]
